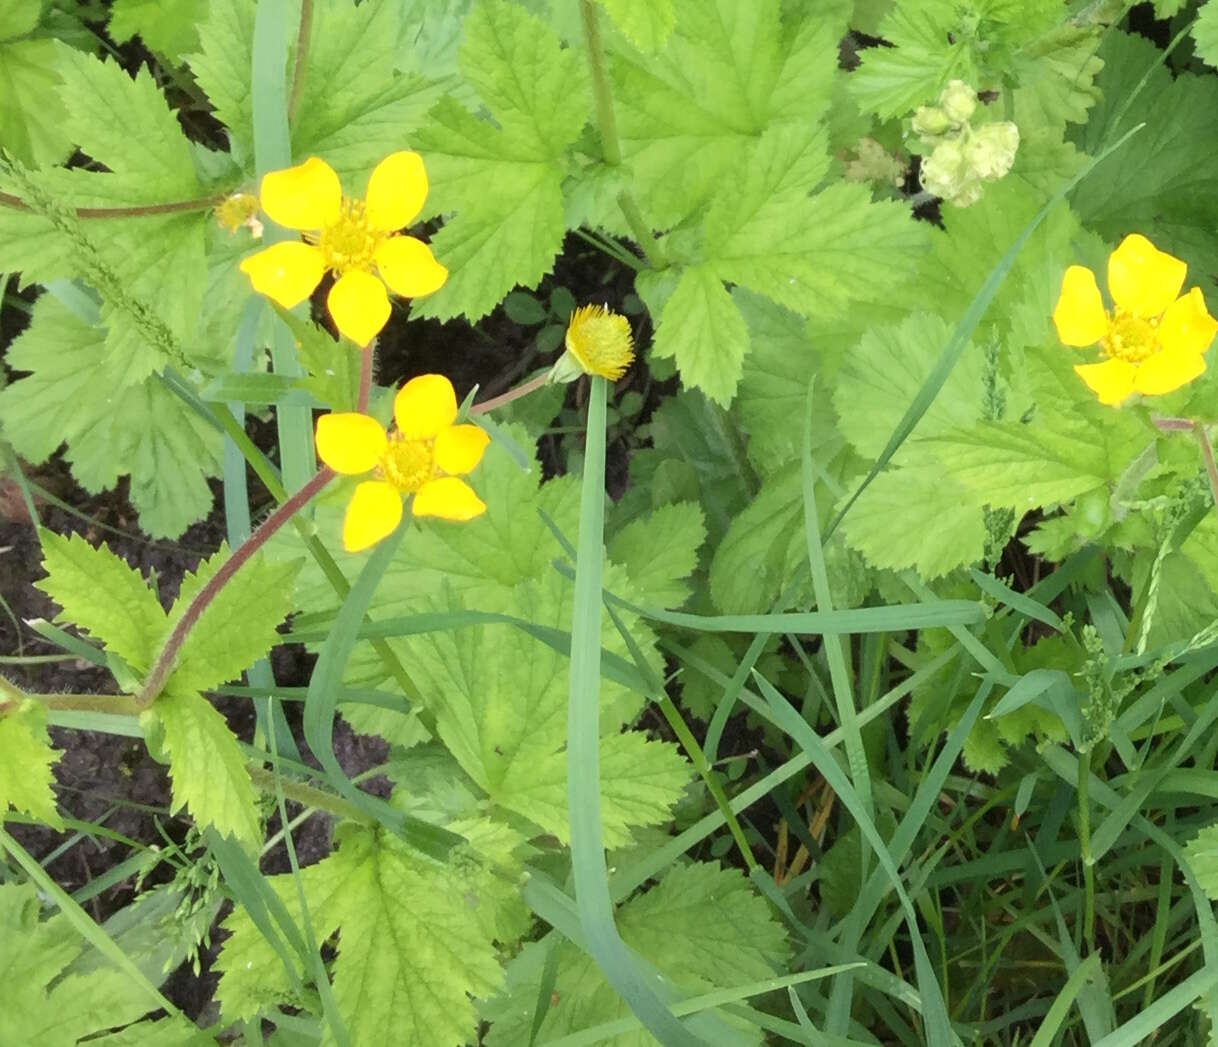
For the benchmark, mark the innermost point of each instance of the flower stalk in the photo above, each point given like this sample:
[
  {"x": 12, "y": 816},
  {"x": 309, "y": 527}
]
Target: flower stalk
[
  {"x": 611, "y": 146},
  {"x": 163, "y": 667}
]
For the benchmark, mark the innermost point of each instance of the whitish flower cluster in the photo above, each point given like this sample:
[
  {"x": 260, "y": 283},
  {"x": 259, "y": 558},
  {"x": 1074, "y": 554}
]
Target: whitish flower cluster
[{"x": 959, "y": 158}]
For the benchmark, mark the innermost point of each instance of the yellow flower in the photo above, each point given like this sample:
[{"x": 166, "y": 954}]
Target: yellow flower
[
  {"x": 598, "y": 342},
  {"x": 1154, "y": 338},
  {"x": 424, "y": 457},
  {"x": 356, "y": 240}
]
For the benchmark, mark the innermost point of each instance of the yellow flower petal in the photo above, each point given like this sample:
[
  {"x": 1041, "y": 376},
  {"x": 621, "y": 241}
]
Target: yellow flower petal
[
  {"x": 350, "y": 443},
  {"x": 448, "y": 498},
  {"x": 408, "y": 267},
  {"x": 1142, "y": 279},
  {"x": 1111, "y": 381},
  {"x": 360, "y": 306},
  {"x": 1079, "y": 315},
  {"x": 307, "y": 196},
  {"x": 396, "y": 191},
  {"x": 1187, "y": 326},
  {"x": 460, "y": 448},
  {"x": 1167, "y": 371},
  {"x": 425, "y": 406},
  {"x": 286, "y": 272},
  {"x": 374, "y": 512}
]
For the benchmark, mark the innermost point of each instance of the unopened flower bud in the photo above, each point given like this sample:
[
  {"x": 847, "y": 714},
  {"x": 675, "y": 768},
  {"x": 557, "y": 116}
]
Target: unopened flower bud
[
  {"x": 237, "y": 210},
  {"x": 943, "y": 172},
  {"x": 959, "y": 101},
  {"x": 930, "y": 121},
  {"x": 967, "y": 195},
  {"x": 991, "y": 150}
]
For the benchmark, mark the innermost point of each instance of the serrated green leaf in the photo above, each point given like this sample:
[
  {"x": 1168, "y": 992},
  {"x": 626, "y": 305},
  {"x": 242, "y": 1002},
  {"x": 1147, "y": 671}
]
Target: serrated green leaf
[
  {"x": 18, "y": 17},
  {"x": 1166, "y": 187},
  {"x": 222, "y": 69},
  {"x": 169, "y": 29},
  {"x": 660, "y": 550},
  {"x": 1205, "y": 33},
  {"x": 646, "y": 23},
  {"x": 730, "y": 72},
  {"x": 205, "y": 763},
  {"x": 26, "y": 759},
  {"x": 354, "y": 108},
  {"x": 101, "y": 594},
  {"x": 935, "y": 41},
  {"x": 1202, "y": 853},
  {"x": 773, "y": 391},
  {"x": 762, "y": 549},
  {"x": 921, "y": 499},
  {"x": 240, "y": 624},
  {"x": 31, "y": 114},
  {"x": 411, "y": 948},
  {"x": 44, "y": 1008},
  {"x": 125, "y": 123},
  {"x": 537, "y": 93},
  {"x": 883, "y": 373},
  {"x": 702, "y": 926},
  {"x": 703, "y": 331},
  {"x": 79, "y": 394},
  {"x": 412, "y": 951}
]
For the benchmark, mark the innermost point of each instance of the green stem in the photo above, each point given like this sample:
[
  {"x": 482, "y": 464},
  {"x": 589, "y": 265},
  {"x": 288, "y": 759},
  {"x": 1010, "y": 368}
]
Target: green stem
[
  {"x": 611, "y": 146},
  {"x": 308, "y": 795},
  {"x": 201, "y": 203},
  {"x": 116, "y": 704},
  {"x": 163, "y": 666},
  {"x": 1084, "y": 840},
  {"x": 698, "y": 758}
]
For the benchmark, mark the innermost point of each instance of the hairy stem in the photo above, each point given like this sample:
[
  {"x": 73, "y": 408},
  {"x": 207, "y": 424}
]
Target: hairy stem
[
  {"x": 308, "y": 795},
  {"x": 241, "y": 556},
  {"x": 137, "y": 211},
  {"x": 1084, "y": 841},
  {"x": 302, "y": 57},
  {"x": 531, "y": 386},
  {"x": 611, "y": 146},
  {"x": 1207, "y": 453}
]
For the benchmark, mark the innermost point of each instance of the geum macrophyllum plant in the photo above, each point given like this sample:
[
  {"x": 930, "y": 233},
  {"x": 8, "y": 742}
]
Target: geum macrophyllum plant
[
  {"x": 356, "y": 240},
  {"x": 423, "y": 459},
  {"x": 1154, "y": 339}
]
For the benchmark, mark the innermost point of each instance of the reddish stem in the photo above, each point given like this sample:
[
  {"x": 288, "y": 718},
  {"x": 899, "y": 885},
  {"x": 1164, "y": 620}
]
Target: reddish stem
[
  {"x": 532, "y": 385},
  {"x": 1207, "y": 453},
  {"x": 241, "y": 556}
]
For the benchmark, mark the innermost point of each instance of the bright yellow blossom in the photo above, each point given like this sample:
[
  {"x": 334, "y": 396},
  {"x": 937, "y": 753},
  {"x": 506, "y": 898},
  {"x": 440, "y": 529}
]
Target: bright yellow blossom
[
  {"x": 423, "y": 457},
  {"x": 1154, "y": 338},
  {"x": 598, "y": 342},
  {"x": 356, "y": 240}
]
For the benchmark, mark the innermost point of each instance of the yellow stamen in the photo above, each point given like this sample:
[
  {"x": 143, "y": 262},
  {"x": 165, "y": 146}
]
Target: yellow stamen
[
  {"x": 351, "y": 242},
  {"x": 1130, "y": 338},
  {"x": 408, "y": 464}
]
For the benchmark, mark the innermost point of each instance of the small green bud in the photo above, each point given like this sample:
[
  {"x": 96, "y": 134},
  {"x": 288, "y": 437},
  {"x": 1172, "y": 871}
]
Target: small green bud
[
  {"x": 959, "y": 101},
  {"x": 930, "y": 122},
  {"x": 991, "y": 150},
  {"x": 1092, "y": 513}
]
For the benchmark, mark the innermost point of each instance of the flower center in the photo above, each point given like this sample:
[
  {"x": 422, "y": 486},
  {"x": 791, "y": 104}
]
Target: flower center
[
  {"x": 351, "y": 242},
  {"x": 1130, "y": 338},
  {"x": 408, "y": 464}
]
